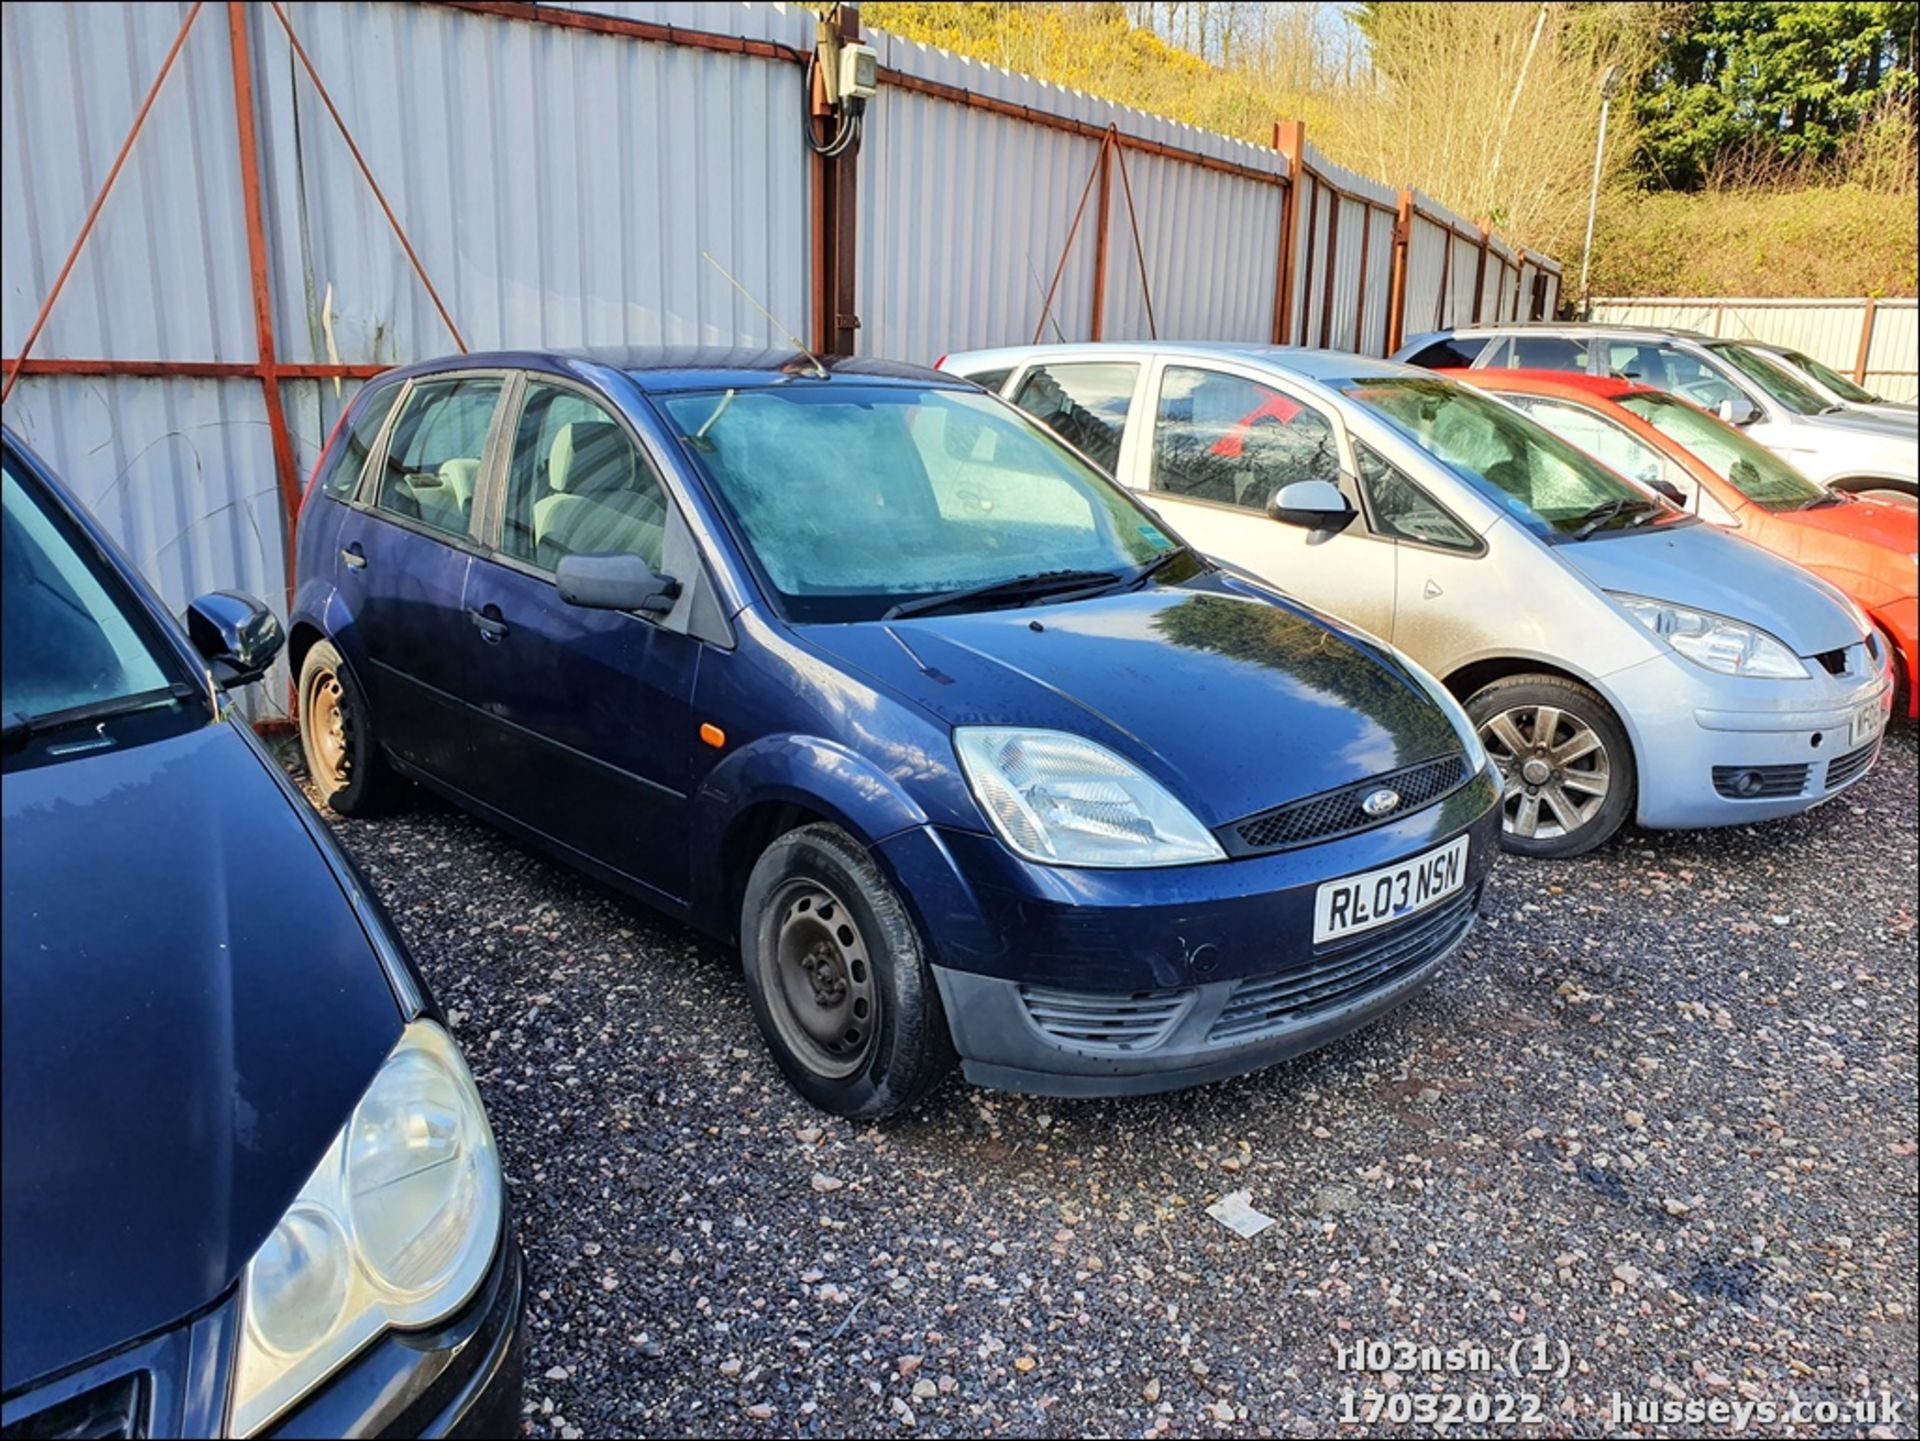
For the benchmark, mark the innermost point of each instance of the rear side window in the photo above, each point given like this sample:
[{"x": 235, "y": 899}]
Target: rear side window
[
  {"x": 346, "y": 463},
  {"x": 1086, "y": 405},
  {"x": 433, "y": 456},
  {"x": 1453, "y": 353},
  {"x": 990, "y": 379},
  {"x": 1547, "y": 352}
]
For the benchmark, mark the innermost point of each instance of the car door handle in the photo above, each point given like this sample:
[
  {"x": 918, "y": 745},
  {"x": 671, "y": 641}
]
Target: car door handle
[
  {"x": 355, "y": 558},
  {"x": 491, "y": 630}
]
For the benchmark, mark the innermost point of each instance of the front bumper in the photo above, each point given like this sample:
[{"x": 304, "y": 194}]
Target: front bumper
[
  {"x": 1694, "y": 731},
  {"x": 1087, "y": 982}
]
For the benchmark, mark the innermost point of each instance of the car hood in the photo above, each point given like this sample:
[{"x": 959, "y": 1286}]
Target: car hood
[
  {"x": 1699, "y": 566},
  {"x": 1235, "y": 700},
  {"x": 1882, "y": 523},
  {"x": 191, "y": 1010},
  {"x": 1867, "y": 422}
]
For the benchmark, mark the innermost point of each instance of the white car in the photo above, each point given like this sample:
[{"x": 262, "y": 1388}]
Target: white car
[
  {"x": 1829, "y": 383},
  {"x": 1620, "y": 659}
]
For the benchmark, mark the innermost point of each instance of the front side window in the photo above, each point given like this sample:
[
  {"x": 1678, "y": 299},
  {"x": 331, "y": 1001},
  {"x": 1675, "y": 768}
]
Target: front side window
[
  {"x": 1745, "y": 464},
  {"x": 578, "y": 485},
  {"x": 1770, "y": 378},
  {"x": 1085, "y": 405},
  {"x": 73, "y": 636},
  {"x": 433, "y": 455},
  {"x": 1548, "y": 484},
  {"x": 1400, "y": 508},
  {"x": 1613, "y": 445},
  {"x": 1666, "y": 367},
  {"x": 1234, "y": 441},
  {"x": 854, "y": 498},
  {"x": 344, "y": 468}
]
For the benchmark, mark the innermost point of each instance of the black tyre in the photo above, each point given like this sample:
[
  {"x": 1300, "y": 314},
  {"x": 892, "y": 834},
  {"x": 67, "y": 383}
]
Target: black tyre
[
  {"x": 336, "y": 735},
  {"x": 837, "y": 977},
  {"x": 1565, "y": 760},
  {"x": 1897, "y": 663}
]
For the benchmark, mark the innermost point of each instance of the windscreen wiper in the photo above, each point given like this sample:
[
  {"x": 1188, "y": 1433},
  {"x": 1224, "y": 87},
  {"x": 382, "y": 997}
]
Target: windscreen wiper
[
  {"x": 1612, "y": 510},
  {"x": 1823, "y": 500},
  {"x": 18, "y": 728},
  {"x": 1159, "y": 563},
  {"x": 1017, "y": 588}
]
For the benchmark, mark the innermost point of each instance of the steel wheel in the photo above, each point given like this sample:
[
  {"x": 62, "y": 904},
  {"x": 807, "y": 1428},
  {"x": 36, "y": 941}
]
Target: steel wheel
[
  {"x": 329, "y": 723},
  {"x": 821, "y": 993},
  {"x": 1555, "y": 767}
]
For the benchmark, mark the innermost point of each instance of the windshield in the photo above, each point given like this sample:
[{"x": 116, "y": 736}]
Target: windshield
[
  {"x": 72, "y": 637},
  {"x": 1515, "y": 462},
  {"x": 853, "y": 499},
  {"x": 1831, "y": 378},
  {"x": 1772, "y": 379},
  {"x": 1745, "y": 464}
]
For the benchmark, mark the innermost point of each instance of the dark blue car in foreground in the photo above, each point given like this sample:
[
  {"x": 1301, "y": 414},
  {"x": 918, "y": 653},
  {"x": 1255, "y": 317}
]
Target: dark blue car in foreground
[
  {"x": 248, "y": 1185},
  {"x": 860, "y": 667}
]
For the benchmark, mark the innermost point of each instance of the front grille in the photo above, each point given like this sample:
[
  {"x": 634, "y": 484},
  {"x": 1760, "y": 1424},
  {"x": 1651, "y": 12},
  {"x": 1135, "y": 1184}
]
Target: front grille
[
  {"x": 1851, "y": 766},
  {"x": 1097, "y": 1021},
  {"x": 1338, "y": 813},
  {"x": 1265, "y": 1003},
  {"x": 1834, "y": 662},
  {"x": 1775, "y": 782},
  {"x": 117, "y": 1409}
]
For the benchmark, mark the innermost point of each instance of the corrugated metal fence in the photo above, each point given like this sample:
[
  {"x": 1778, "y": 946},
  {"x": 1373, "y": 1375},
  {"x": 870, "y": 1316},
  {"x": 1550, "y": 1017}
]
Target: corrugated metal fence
[
  {"x": 1877, "y": 342},
  {"x": 549, "y": 175}
]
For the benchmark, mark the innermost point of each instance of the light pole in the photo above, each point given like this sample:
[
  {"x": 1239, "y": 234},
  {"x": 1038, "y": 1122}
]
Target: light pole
[{"x": 1608, "y": 84}]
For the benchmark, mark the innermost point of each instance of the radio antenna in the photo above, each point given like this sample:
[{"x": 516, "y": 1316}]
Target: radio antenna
[{"x": 792, "y": 339}]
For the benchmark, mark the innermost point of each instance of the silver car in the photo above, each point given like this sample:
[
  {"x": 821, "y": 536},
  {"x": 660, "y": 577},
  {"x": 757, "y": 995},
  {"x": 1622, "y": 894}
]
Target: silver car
[
  {"x": 1621, "y": 659},
  {"x": 1834, "y": 387},
  {"x": 1845, "y": 449}
]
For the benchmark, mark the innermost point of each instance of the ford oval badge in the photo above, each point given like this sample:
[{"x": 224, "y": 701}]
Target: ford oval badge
[{"x": 1381, "y": 802}]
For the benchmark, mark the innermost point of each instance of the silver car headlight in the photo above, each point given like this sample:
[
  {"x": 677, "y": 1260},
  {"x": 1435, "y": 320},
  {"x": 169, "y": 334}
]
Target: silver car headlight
[
  {"x": 395, "y": 1228},
  {"x": 1064, "y": 801},
  {"x": 1714, "y": 642}
]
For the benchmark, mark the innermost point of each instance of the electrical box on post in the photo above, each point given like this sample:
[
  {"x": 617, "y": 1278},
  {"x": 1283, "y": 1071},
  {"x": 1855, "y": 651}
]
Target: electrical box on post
[{"x": 859, "y": 71}]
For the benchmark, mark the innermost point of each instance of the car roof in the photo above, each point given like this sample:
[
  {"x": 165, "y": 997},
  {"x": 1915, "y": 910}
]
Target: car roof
[
  {"x": 1568, "y": 327},
  {"x": 659, "y": 369},
  {"x": 1606, "y": 387},
  {"x": 1320, "y": 365}
]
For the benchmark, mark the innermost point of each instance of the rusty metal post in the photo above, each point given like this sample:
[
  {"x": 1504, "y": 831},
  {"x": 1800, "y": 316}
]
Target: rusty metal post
[
  {"x": 1480, "y": 273},
  {"x": 1289, "y": 138},
  {"x": 1866, "y": 344},
  {"x": 268, "y": 367},
  {"x": 1360, "y": 291},
  {"x": 835, "y": 213},
  {"x": 1333, "y": 265},
  {"x": 1397, "y": 280},
  {"x": 1097, "y": 326}
]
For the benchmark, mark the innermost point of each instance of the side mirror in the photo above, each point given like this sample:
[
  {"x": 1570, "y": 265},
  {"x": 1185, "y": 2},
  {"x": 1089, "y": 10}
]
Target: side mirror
[
  {"x": 236, "y": 635},
  {"x": 1671, "y": 491},
  {"x": 617, "y": 581},
  {"x": 1312, "y": 504},
  {"x": 1738, "y": 410}
]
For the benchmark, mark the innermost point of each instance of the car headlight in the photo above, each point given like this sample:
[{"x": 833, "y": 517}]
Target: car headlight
[
  {"x": 1714, "y": 642},
  {"x": 1065, "y": 801},
  {"x": 1455, "y": 713},
  {"x": 396, "y": 1227}
]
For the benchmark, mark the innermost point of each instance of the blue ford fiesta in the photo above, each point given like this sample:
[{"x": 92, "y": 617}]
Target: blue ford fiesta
[
  {"x": 249, "y": 1186},
  {"x": 860, "y": 667}
]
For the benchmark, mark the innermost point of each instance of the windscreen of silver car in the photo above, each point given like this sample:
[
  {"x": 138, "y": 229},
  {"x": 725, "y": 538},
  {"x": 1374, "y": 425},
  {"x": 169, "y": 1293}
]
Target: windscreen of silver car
[{"x": 1545, "y": 483}]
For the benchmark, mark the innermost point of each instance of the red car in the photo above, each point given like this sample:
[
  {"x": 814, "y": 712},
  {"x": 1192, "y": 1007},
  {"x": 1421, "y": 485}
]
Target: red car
[{"x": 1867, "y": 547}]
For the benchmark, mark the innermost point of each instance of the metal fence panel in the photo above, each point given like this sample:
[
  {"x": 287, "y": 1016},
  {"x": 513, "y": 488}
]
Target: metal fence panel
[{"x": 1828, "y": 330}]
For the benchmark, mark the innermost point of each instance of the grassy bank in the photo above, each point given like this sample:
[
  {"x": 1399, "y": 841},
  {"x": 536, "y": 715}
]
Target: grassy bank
[{"x": 1840, "y": 240}]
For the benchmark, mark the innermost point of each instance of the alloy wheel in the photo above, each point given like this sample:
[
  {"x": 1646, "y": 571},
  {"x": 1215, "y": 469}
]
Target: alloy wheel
[
  {"x": 823, "y": 996},
  {"x": 1555, "y": 769}
]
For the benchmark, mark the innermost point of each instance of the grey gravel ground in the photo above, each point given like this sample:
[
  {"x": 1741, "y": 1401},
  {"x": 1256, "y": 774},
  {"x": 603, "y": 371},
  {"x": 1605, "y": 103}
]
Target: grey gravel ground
[{"x": 1663, "y": 1111}]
